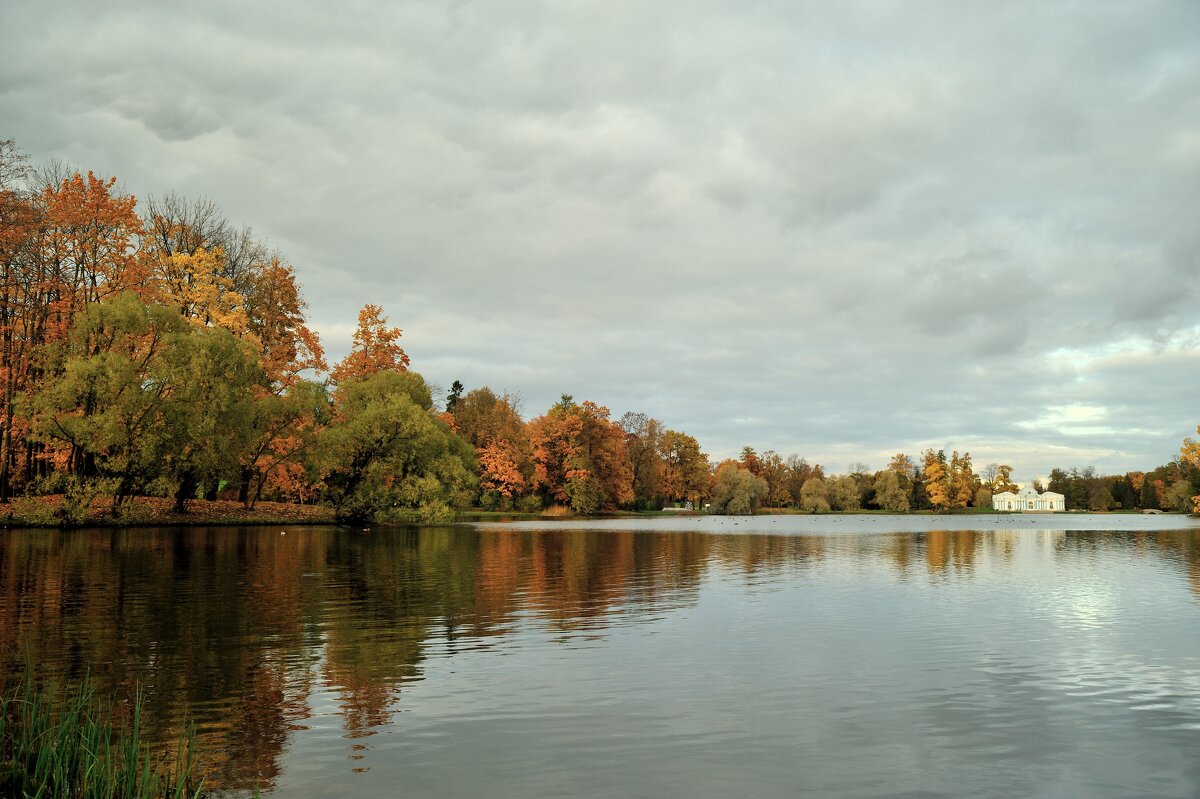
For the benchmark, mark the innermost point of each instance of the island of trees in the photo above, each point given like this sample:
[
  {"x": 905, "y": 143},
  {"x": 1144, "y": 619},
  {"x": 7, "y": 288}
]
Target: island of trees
[{"x": 154, "y": 349}]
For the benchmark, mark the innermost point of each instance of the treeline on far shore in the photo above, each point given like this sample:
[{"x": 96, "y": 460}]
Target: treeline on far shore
[{"x": 154, "y": 349}]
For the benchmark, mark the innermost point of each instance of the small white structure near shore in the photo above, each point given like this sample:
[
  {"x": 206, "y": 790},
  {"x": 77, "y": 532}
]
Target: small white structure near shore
[{"x": 1029, "y": 501}]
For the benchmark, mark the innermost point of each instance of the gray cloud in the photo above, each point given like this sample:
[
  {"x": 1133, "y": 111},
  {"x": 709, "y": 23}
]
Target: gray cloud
[{"x": 834, "y": 229}]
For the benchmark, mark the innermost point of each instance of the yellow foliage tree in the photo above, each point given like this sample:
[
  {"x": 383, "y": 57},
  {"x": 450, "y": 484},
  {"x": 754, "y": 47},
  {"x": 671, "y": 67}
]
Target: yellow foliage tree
[
  {"x": 937, "y": 479},
  {"x": 194, "y": 284},
  {"x": 962, "y": 480}
]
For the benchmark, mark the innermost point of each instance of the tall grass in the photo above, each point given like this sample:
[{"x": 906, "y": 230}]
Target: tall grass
[{"x": 66, "y": 745}]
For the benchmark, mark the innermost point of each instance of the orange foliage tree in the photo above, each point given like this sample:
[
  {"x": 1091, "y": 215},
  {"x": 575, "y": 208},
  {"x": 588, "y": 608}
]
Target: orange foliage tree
[
  {"x": 492, "y": 425},
  {"x": 375, "y": 348},
  {"x": 580, "y": 457}
]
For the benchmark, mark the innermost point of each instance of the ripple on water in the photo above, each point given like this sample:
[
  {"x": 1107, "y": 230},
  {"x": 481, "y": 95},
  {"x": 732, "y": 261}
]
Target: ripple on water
[{"x": 612, "y": 662}]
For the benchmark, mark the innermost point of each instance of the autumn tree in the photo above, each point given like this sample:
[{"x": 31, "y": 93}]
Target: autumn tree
[
  {"x": 22, "y": 301},
  {"x": 799, "y": 472},
  {"x": 774, "y": 469},
  {"x": 962, "y": 480},
  {"x": 375, "y": 349},
  {"x": 580, "y": 457},
  {"x": 643, "y": 436},
  {"x": 998, "y": 477},
  {"x": 493, "y": 426},
  {"x": 283, "y": 429},
  {"x": 89, "y": 242},
  {"x": 937, "y": 479},
  {"x": 685, "y": 467},
  {"x": 749, "y": 461}
]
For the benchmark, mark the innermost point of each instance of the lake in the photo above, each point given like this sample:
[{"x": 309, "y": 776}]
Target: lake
[{"x": 831, "y": 656}]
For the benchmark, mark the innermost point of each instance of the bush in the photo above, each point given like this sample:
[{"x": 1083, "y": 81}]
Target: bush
[
  {"x": 531, "y": 503},
  {"x": 489, "y": 500}
]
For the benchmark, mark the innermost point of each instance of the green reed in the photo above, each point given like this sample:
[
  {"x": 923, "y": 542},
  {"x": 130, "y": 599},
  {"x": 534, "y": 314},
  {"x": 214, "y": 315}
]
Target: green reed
[{"x": 66, "y": 744}]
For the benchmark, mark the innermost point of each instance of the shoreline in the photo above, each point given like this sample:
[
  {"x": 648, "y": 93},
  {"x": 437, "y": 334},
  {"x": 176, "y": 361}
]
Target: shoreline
[{"x": 158, "y": 512}]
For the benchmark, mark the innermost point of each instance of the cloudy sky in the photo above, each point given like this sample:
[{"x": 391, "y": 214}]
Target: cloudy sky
[{"x": 835, "y": 229}]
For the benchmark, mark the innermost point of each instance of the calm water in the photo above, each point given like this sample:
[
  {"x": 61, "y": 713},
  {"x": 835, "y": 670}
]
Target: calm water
[{"x": 830, "y": 656}]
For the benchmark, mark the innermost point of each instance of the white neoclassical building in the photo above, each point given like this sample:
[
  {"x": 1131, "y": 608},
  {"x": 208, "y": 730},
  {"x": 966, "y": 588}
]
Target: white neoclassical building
[{"x": 1028, "y": 499}]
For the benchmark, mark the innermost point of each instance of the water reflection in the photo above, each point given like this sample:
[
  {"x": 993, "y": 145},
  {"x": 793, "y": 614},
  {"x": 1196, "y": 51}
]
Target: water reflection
[{"x": 263, "y": 637}]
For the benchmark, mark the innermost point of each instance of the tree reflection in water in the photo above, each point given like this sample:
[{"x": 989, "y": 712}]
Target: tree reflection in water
[{"x": 255, "y": 634}]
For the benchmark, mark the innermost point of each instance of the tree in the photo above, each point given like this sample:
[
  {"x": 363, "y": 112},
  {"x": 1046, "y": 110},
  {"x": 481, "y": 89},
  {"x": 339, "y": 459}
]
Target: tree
[
  {"x": 799, "y": 472},
  {"x": 814, "y": 495},
  {"x": 206, "y": 417},
  {"x": 101, "y": 406},
  {"x": 643, "y": 436},
  {"x": 90, "y": 241},
  {"x": 375, "y": 348},
  {"x": 1099, "y": 497},
  {"x": 685, "y": 467},
  {"x": 749, "y": 461},
  {"x": 774, "y": 470},
  {"x": 385, "y": 451},
  {"x": 983, "y": 497},
  {"x": 890, "y": 495},
  {"x": 580, "y": 457},
  {"x": 1149, "y": 499},
  {"x": 283, "y": 428},
  {"x": 937, "y": 479},
  {"x": 843, "y": 493},
  {"x": 1179, "y": 496},
  {"x": 737, "y": 492},
  {"x": 456, "y": 390},
  {"x": 903, "y": 466},
  {"x": 140, "y": 395},
  {"x": 499, "y": 469},
  {"x": 493, "y": 426},
  {"x": 963, "y": 482},
  {"x": 1002, "y": 480},
  {"x": 1189, "y": 454}
]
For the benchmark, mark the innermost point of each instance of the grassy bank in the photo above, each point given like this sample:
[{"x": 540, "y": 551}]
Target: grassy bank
[
  {"x": 68, "y": 744},
  {"x": 49, "y": 511}
]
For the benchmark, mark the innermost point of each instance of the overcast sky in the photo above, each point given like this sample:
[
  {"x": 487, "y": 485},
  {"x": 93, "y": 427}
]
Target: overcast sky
[{"x": 834, "y": 229}]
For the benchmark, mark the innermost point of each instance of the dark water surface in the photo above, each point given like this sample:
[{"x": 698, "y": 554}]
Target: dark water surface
[{"x": 839, "y": 657}]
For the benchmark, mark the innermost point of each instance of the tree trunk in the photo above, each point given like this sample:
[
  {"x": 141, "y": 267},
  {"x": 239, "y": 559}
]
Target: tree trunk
[
  {"x": 244, "y": 488},
  {"x": 187, "y": 490}
]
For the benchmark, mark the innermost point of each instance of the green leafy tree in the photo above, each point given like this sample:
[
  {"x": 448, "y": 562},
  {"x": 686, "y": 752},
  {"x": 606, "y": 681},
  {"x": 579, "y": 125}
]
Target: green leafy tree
[
  {"x": 843, "y": 492},
  {"x": 452, "y": 398},
  {"x": 890, "y": 494},
  {"x": 814, "y": 495},
  {"x": 101, "y": 408},
  {"x": 738, "y": 491},
  {"x": 385, "y": 451},
  {"x": 1149, "y": 500}
]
